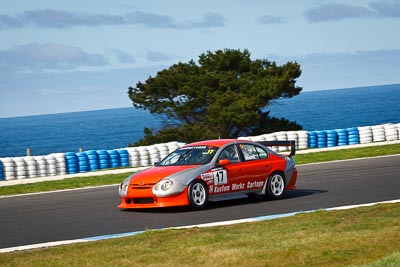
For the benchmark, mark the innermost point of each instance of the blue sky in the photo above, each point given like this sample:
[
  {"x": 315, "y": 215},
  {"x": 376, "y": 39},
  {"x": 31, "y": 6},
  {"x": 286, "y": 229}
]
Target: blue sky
[{"x": 64, "y": 56}]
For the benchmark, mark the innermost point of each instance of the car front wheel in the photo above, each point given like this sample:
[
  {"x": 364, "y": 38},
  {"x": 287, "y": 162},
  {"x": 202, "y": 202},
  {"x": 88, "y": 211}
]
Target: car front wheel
[
  {"x": 276, "y": 186},
  {"x": 198, "y": 194}
]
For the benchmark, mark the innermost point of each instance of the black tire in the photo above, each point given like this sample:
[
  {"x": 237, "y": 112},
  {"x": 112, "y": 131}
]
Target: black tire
[
  {"x": 198, "y": 194},
  {"x": 276, "y": 186}
]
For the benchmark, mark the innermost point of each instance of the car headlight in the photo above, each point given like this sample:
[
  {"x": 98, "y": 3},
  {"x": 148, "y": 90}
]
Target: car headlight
[
  {"x": 163, "y": 185},
  {"x": 123, "y": 187},
  {"x": 168, "y": 187}
]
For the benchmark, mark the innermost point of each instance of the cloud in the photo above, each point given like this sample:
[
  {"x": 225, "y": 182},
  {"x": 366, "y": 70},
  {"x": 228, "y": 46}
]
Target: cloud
[
  {"x": 386, "y": 9},
  {"x": 266, "y": 19},
  {"x": 59, "y": 19},
  {"x": 332, "y": 12},
  {"x": 156, "y": 56},
  {"x": 9, "y": 22},
  {"x": 209, "y": 20},
  {"x": 63, "y": 19},
  {"x": 336, "y": 12},
  {"x": 150, "y": 20},
  {"x": 122, "y": 56},
  {"x": 49, "y": 56}
]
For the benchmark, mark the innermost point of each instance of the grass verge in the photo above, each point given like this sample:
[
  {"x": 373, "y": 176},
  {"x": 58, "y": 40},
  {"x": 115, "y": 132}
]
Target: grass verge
[
  {"x": 343, "y": 154},
  {"x": 80, "y": 182},
  {"x": 367, "y": 235},
  {"x": 68, "y": 183},
  {"x": 389, "y": 261}
]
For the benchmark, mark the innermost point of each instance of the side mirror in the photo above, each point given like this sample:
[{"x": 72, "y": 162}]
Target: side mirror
[{"x": 223, "y": 162}]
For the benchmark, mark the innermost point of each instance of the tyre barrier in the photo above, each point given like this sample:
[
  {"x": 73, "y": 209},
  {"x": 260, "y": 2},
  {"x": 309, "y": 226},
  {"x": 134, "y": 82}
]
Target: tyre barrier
[
  {"x": 144, "y": 157},
  {"x": 303, "y": 139},
  {"x": 312, "y": 139},
  {"x": 391, "y": 132},
  {"x": 8, "y": 168},
  {"x": 124, "y": 157},
  {"x": 365, "y": 134},
  {"x": 60, "y": 163},
  {"x": 83, "y": 162},
  {"x": 321, "y": 139},
  {"x": 32, "y": 167},
  {"x": 114, "y": 159},
  {"x": 133, "y": 156},
  {"x": 335, "y": 137},
  {"x": 93, "y": 157},
  {"x": 41, "y": 164},
  {"x": 51, "y": 167},
  {"x": 353, "y": 136},
  {"x": 154, "y": 154},
  {"x": 100, "y": 160},
  {"x": 331, "y": 138},
  {"x": 163, "y": 150},
  {"x": 93, "y": 160},
  {"x": 1, "y": 171},
  {"x": 343, "y": 137},
  {"x": 378, "y": 133},
  {"x": 71, "y": 162}
]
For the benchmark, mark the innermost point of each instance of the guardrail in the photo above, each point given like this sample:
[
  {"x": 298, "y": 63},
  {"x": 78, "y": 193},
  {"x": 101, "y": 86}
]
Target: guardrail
[{"x": 93, "y": 160}]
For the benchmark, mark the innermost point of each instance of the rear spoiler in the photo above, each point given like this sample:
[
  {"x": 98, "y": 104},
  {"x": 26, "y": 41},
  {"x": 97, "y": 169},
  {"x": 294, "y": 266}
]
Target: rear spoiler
[{"x": 290, "y": 143}]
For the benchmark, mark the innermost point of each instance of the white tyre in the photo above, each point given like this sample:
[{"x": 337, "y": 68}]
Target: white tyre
[
  {"x": 9, "y": 164},
  {"x": 7, "y": 160}
]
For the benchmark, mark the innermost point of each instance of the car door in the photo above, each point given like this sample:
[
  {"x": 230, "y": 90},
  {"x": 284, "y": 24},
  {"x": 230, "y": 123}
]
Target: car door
[
  {"x": 231, "y": 177},
  {"x": 257, "y": 165}
]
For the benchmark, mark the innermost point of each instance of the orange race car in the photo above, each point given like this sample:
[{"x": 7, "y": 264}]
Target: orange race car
[{"x": 203, "y": 171}]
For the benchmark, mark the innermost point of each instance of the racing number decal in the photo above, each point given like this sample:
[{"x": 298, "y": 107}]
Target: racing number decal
[{"x": 220, "y": 177}]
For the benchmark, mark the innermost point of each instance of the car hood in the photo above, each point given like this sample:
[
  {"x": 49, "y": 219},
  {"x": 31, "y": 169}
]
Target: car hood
[{"x": 184, "y": 174}]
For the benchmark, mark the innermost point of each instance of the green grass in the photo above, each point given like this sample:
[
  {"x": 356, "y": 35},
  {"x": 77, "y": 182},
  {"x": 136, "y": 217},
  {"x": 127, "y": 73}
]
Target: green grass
[
  {"x": 69, "y": 183},
  {"x": 389, "y": 261},
  {"x": 353, "y": 153},
  {"x": 80, "y": 182},
  {"x": 367, "y": 235}
]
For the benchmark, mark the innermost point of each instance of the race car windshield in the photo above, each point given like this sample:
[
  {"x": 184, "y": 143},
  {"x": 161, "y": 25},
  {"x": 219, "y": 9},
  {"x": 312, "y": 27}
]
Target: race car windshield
[{"x": 192, "y": 155}]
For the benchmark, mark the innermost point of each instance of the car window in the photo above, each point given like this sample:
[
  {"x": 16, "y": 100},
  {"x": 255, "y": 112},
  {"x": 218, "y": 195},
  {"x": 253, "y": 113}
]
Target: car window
[
  {"x": 251, "y": 152},
  {"x": 262, "y": 154},
  {"x": 230, "y": 153},
  {"x": 193, "y": 155}
]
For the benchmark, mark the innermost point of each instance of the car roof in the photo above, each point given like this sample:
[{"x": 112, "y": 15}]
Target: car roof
[{"x": 216, "y": 142}]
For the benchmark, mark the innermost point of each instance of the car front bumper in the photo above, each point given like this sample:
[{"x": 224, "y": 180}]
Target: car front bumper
[{"x": 137, "y": 199}]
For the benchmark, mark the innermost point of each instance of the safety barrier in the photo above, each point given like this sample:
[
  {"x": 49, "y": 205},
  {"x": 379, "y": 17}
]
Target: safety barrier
[
  {"x": 1, "y": 171},
  {"x": 31, "y": 167},
  {"x": 335, "y": 137},
  {"x": 93, "y": 160}
]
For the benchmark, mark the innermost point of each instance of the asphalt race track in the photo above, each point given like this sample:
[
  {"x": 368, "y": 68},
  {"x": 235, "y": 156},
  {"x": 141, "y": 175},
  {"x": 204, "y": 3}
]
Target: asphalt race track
[{"x": 67, "y": 215}]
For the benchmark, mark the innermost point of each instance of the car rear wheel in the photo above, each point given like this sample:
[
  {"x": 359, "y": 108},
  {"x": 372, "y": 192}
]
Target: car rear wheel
[
  {"x": 276, "y": 186},
  {"x": 198, "y": 194}
]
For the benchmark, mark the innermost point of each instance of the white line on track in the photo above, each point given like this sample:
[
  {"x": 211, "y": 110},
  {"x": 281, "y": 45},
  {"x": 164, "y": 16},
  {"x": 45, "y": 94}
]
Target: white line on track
[{"x": 255, "y": 219}]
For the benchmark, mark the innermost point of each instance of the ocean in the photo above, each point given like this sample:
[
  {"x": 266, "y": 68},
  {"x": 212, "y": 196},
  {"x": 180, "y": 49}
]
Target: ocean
[
  {"x": 341, "y": 108},
  {"x": 116, "y": 128}
]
